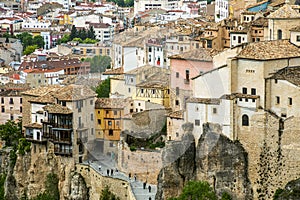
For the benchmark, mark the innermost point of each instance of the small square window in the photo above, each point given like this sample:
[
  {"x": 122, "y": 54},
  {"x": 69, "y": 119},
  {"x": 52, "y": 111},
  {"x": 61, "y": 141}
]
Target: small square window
[
  {"x": 177, "y": 74},
  {"x": 253, "y": 91},
  {"x": 177, "y": 102},
  {"x": 99, "y": 121},
  {"x": 109, "y": 123},
  {"x": 214, "y": 110},
  {"x": 197, "y": 122},
  {"x": 115, "y": 112},
  {"x": 244, "y": 90}
]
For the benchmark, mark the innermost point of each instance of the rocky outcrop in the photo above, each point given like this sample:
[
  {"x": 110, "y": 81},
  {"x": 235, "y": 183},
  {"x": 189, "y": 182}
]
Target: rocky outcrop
[
  {"x": 290, "y": 192},
  {"x": 78, "y": 188},
  {"x": 216, "y": 159},
  {"x": 31, "y": 170}
]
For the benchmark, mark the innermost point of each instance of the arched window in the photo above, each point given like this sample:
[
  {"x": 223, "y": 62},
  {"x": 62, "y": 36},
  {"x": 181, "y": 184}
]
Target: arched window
[
  {"x": 245, "y": 120},
  {"x": 279, "y": 34}
]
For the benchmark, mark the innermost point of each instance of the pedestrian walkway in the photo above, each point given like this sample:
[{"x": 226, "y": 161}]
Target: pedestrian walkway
[{"x": 137, "y": 186}]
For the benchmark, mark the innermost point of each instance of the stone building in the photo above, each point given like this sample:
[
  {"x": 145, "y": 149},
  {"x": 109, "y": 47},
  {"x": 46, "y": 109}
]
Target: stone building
[
  {"x": 281, "y": 21},
  {"x": 62, "y": 115},
  {"x": 11, "y": 101}
]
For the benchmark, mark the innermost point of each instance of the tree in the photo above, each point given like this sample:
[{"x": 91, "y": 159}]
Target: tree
[
  {"x": 10, "y": 133},
  {"x": 226, "y": 196},
  {"x": 78, "y": 40},
  {"x": 91, "y": 33},
  {"x": 197, "y": 190},
  {"x": 89, "y": 41},
  {"x": 51, "y": 189},
  {"x": 74, "y": 33},
  {"x": 30, "y": 49},
  {"x": 64, "y": 39},
  {"x": 82, "y": 34},
  {"x": 39, "y": 41},
  {"x": 106, "y": 194},
  {"x": 103, "y": 89},
  {"x": 99, "y": 63},
  {"x": 26, "y": 39}
]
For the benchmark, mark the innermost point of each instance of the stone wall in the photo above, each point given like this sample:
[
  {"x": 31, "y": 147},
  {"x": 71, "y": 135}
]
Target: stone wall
[
  {"x": 96, "y": 183},
  {"x": 273, "y": 150},
  {"x": 145, "y": 164},
  {"x": 146, "y": 123}
]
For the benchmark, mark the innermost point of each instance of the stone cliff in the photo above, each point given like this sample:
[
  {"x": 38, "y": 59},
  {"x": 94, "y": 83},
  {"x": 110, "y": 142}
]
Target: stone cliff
[
  {"x": 216, "y": 159},
  {"x": 27, "y": 178}
]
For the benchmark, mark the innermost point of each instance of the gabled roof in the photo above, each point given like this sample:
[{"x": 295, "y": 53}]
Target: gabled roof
[
  {"x": 57, "y": 109},
  {"x": 284, "y": 12},
  {"x": 200, "y": 54},
  {"x": 290, "y": 74},
  {"x": 270, "y": 50}
]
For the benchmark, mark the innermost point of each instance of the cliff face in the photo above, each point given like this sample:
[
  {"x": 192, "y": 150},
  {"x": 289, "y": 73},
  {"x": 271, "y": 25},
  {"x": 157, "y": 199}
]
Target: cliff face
[
  {"x": 28, "y": 177},
  {"x": 216, "y": 159}
]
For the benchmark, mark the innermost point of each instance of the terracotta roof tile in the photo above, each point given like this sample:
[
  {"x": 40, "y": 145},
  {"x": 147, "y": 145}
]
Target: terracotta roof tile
[
  {"x": 74, "y": 92},
  {"x": 57, "y": 109},
  {"x": 34, "y": 125},
  {"x": 290, "y": 74},
  {"x": 204, "y": 100},
  {"x": 113, "y": 103},
  {"x": 269, "y": 50},
  {"x": 283, "y": 12},
  {"x": 176, "y": 114},
  {"x": 200, "y": 54}
]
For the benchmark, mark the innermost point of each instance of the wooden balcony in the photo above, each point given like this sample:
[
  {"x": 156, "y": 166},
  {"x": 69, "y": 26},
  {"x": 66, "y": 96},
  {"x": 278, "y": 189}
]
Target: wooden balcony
[{"x": 63, "y": 152}]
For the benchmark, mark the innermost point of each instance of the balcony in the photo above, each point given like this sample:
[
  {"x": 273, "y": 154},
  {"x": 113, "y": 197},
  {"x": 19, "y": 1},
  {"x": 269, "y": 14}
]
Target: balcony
[{"x": 63, "y": 152}]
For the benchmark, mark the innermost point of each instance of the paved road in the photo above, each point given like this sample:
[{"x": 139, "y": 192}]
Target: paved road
[{"x": 137, "y": 186}]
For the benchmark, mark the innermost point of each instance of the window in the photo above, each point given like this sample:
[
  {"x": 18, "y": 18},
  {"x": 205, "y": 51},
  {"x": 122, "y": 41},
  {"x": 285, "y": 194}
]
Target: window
[
  {"x": 21, "y": 109},
  {"x": 11, "y": 117},
  {"x": 214, "y": 110},
  {"x": 277, "y": 100},
  {"x": 2, "y": 109},
  {"x": 177, "y": 102},
  {"x": 279, "y": 34},
  {"x": 111, "y": 132},
  {"x": 2, "y": 100},
  {"x": 115, "y": 112},
  {"x": 234, "y": 38},
  {"x": 177, "y": 74},
  {"x": 239, "y": 39},
  {"x": 142, "y": 91},
  {"x": 298, "y": 38},
  {"x": 92, "y": 131},
  {"x": 99, "y": 121},
  {"x": 177, "y": 90},
  {"x": 109, "y": 123},
  {"x": 139, "y": 104},
  {"x": 197, "y": 122},
  {"x": 91, "y": 102},
  {"x": 11, "y": 101},
  {"x": 290, "y": 101},
  {"x": 253, "y": 91},
  {"x": 245, "y": 120},
  {"x": 92, "y": 117},
  {"x": 275, "y": 81},
  {"x": 187, "y": 75},
  {"x": 129, "y": 90},
  {"x": 244, "y": 90}
]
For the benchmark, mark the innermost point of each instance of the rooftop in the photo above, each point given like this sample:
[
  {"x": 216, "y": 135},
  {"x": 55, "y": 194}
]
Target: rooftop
[
  {"x": 284, "y": 12},
  {"x": 200, "y": 54},
  {"x": 74, "y": 92},
  {"x": 110, "y": 103},
  {"x": 213, "y": 101},
  {"x": 269, "y": 50},
  {"x": 290, "y": 74},
  {"x": 57, "y": 109},
  {"x": 176, "y": 114}
]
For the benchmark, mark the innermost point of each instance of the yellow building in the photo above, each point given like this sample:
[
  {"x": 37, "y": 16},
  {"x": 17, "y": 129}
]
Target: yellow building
[{"x": 109, "y": 113}]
